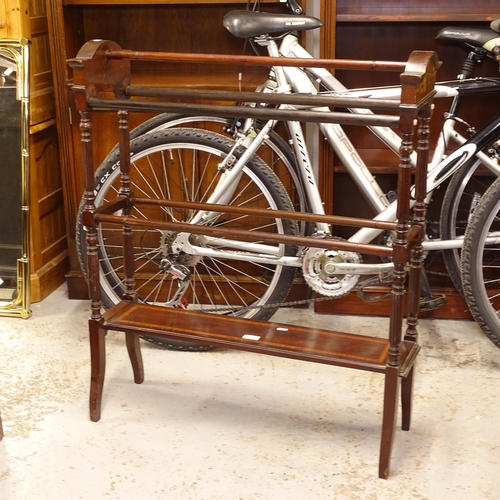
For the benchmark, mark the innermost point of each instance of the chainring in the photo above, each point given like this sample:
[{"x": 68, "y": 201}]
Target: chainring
[{"x": 319, "y": 270}]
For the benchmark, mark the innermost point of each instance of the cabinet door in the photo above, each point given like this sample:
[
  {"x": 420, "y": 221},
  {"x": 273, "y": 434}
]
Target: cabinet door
[
  {"x": 42, "y": 105},
  {"x": 49, "y": 255}
]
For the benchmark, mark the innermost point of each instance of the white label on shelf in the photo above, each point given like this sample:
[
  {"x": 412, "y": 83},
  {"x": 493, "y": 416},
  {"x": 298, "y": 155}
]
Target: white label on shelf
[{"x": 251, "y": 337}]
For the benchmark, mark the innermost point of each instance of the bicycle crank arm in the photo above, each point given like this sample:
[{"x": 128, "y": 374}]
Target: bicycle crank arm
[{"x": 359, "y": 269}]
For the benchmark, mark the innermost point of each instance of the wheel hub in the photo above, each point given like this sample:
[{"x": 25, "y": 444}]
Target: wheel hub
[{"x": 174, "y": 249}]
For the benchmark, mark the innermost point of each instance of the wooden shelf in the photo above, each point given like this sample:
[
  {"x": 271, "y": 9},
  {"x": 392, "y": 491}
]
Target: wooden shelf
[
  {"x": 158, "y": 2},
  {"x": 290, "y": 341},
  {"x": 418, "y": 16},
  {"x": 422, "y": 11}
]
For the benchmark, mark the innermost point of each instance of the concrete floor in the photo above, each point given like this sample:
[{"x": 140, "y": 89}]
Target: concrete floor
[{"x": 232, "y": 425}]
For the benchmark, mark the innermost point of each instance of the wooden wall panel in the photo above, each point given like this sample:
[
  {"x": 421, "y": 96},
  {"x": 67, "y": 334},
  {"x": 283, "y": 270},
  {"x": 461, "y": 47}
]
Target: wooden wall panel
[{"x": 42, "y": 106}]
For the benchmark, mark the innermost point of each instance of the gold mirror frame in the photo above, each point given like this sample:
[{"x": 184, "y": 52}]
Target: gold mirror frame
[{"x": 19, "y": 305}]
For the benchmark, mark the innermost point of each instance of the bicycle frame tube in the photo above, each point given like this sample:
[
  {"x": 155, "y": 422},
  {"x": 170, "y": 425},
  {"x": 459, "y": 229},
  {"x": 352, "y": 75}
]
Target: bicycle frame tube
[
  {"x": 487, "y": 135},
  {"x": 300, "y": 82},
  {"x": 290, "y": 47},
  {"x": 231, "y": 175},
  {"x": 355, "y": 165},
  {"x": 243, "y": 251},
  {"x": 306, "y": 171},
  {"x": 334, "y": 133}
]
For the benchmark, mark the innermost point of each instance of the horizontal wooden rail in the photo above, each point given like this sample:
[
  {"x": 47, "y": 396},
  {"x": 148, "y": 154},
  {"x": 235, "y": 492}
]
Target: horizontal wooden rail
[
  {"x": 260, "y": 212},
  {"x": 103, "y": 74},
  {"x": 255, "y": 60},
  {"x": 245, "y": 235},
  {"x": 310, "y": 100},
  {"x": 245, "y": 112}
]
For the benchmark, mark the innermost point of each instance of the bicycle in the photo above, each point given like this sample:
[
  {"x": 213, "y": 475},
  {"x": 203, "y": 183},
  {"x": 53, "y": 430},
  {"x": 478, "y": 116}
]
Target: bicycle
[
  {"x": 253, "y": 280},
  {"x": 480, "y": 263}
]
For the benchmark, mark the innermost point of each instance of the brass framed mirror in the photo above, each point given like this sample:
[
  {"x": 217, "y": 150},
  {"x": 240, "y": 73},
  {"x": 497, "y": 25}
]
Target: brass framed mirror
[{"x": 14, "y": 175}]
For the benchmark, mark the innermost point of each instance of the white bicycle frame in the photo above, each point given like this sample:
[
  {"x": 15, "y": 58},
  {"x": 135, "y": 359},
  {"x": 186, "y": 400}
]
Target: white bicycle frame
[
  {"x": 354, "y": 164},
  {"x": 291, "y": 79}
]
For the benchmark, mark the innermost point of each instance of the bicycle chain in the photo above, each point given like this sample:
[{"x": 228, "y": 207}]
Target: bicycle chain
[
  {"x": 437, "y": 273},
  {"x": 293, "y": 302},
  {"x": 274, "y": 305}
]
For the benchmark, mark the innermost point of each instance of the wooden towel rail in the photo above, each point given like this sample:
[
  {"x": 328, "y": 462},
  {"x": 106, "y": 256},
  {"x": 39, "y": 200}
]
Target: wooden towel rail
[{"x": 102, "y": 81}]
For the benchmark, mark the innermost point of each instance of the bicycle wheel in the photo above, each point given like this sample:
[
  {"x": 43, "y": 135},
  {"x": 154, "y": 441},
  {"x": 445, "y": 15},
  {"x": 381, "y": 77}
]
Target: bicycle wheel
[
  {"x": 481, "y": 264},
  {"x": 275, "y": 152},
  {"x": 465, "y": 189},
  {"x": 181, "y": 164}
]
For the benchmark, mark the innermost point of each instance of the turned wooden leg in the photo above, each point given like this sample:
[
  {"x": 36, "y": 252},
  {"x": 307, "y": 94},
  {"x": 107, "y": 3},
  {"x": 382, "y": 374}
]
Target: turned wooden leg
[
  {"x": 391, "y": 401},
  {"x": 406, "y": 400},
  {"x": 97, "y": 368},
  {"x": 134, "y": 351}
]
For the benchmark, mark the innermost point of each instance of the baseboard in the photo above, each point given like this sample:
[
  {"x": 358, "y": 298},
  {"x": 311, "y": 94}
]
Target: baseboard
[
  {"x": 456, "y": 308},
  {"x": 49, "y": 277},
  {"x": 77, "y": 286}
]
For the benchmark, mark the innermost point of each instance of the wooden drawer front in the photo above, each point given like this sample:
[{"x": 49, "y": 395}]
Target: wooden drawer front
[{"x": 14, "y": 19}]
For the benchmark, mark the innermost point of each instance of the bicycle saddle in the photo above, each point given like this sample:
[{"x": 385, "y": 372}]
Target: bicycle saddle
[
  {"x": 248, "y": 24},
  {"x": 475, "y": 37}
]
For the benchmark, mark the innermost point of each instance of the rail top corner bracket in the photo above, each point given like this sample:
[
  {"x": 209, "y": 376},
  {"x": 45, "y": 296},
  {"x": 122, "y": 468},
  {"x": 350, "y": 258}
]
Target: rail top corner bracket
[
  {"x": 95, "y": 72},
  {"x": 419, "y": 77}
]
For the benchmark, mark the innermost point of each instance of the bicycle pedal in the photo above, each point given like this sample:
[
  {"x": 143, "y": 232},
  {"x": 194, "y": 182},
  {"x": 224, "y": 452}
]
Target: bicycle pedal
[
  {"x": 374, "y": 281},
  {"x": 432, "y": 302}
]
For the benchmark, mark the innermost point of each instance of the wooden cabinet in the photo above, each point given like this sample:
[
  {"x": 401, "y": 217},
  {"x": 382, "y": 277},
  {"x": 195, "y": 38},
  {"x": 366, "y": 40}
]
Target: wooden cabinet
[
  {"x": 48, "y": 246},
  {"x": 49, "y": 254}
]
